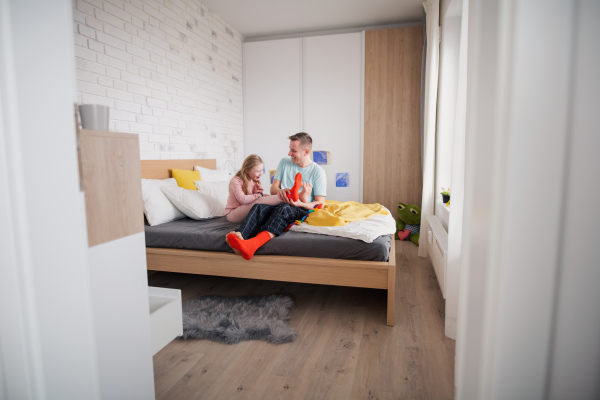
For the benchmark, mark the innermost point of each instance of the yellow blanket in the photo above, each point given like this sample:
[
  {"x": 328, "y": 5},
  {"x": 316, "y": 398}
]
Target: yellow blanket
[{"x": 337, "y": 213}]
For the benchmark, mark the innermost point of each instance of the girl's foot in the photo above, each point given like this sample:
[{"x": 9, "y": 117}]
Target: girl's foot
[
  {"x": 305, "y": 193},
  {"x": 239, "y": 235}
]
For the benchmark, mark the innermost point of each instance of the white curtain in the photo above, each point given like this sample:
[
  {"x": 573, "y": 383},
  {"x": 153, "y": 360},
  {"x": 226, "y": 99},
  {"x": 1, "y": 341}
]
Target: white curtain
[
  {"x": 432, "y": 9},
  {"x": 455, "y": 224}
]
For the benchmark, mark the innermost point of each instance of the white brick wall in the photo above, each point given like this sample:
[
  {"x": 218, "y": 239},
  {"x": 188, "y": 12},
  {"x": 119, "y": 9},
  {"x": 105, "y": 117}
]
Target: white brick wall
[{"x": 169, "y": 70}]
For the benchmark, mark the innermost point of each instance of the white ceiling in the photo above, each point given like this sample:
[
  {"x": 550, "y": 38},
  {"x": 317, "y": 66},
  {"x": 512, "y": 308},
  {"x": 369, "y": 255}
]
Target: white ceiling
[{"x": 258, "y": 18}]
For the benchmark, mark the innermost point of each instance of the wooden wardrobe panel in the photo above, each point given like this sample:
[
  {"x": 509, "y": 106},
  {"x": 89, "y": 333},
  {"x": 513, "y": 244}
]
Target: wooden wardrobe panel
[
  {"x": 392, "y": 132},
  {"x": 110, "y": 163}
]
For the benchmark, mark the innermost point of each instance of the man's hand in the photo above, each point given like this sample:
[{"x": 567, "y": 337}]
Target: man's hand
[
  {"x": 300, "y": 204},
  {"x": 283, "y": 195}
]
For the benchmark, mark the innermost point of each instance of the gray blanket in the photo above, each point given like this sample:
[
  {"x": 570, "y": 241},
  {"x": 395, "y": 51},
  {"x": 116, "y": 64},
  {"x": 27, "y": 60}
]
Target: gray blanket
[{"x": 209, "y": 235}]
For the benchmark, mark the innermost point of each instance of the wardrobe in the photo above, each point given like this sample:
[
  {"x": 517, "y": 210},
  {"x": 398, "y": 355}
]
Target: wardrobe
[{"x": 357, "y": 94}]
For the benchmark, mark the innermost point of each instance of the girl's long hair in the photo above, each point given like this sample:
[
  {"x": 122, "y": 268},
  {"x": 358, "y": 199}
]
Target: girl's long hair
[{"x": 250, "y": 162}]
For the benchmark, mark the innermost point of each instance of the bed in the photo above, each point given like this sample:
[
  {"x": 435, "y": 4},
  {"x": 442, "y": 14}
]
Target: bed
[{"x": 325, "y": 271}]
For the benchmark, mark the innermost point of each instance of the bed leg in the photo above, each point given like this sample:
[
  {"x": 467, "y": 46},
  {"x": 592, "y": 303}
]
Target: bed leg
[{"x": 391, "y": 296}]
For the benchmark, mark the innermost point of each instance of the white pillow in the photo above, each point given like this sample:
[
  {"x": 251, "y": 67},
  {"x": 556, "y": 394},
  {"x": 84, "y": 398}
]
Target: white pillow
[
  {"x": 157, "y": 208},
  {"x": 194, "y": 204},
  {"x": 212, "y": 175},
  {"x": 217, "y": 190}
]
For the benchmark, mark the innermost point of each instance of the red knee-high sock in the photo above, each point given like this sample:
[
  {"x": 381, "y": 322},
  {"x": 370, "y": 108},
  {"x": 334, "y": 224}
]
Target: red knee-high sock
[
  {"x": 248, "y": 247},
  {"x": 294, "y": 190}
]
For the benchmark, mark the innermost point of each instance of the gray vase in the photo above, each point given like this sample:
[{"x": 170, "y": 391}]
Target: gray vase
[{"x": 94, "y": 116}]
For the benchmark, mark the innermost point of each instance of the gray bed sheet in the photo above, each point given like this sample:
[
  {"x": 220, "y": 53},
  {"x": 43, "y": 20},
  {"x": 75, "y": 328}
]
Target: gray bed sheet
[{"x": 209, "y": 235}]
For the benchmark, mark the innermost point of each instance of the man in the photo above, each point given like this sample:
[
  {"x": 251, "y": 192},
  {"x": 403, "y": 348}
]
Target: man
[{"x": 264, "y": 222}]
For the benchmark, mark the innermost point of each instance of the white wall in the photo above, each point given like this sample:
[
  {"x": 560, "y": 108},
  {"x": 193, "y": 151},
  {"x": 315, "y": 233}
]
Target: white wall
[
  {"x": 47, "y": 333},
  {"x": 169, "y": 71}
]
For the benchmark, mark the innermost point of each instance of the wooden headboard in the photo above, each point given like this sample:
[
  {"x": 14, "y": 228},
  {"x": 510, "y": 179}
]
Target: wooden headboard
[{"x": 161, "y": 169}]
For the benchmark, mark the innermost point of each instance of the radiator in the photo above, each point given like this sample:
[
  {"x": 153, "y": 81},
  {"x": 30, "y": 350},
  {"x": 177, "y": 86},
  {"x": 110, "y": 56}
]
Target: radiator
[{"x": 437, "y": 237}]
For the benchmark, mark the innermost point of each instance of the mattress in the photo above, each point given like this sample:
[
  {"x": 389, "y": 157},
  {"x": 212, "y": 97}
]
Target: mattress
[{"x": 209, "y": 235}]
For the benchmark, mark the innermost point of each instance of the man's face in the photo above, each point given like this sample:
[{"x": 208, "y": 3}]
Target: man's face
[{"x": 297, "y": 153}]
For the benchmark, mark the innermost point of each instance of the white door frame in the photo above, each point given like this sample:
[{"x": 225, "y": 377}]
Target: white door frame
[{"x": 47, "y": 337}]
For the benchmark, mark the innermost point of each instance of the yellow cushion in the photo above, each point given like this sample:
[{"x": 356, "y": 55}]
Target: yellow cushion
[{"x": 185, "y": 178}]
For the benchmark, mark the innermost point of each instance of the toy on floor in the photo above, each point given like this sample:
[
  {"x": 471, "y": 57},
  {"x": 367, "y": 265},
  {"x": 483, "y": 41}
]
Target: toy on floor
[{"x": 408, "y": 224}]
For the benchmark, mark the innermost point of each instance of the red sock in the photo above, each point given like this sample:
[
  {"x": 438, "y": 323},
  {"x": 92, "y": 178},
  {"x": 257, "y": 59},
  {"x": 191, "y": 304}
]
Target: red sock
[
  {"x": 294, "y": 190},
  {"x": 248, "y": 247}
]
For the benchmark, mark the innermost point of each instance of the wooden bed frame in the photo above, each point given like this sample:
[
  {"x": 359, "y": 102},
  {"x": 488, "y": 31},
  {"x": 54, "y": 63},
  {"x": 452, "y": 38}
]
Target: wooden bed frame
[{"x": 325, "y": 271}]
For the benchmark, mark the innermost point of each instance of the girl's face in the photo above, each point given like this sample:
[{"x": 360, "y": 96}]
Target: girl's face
[{"x": 256, "y": 172}]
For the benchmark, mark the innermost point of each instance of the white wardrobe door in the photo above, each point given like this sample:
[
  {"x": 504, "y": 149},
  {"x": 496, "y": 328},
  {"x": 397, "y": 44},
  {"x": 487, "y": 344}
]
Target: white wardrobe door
[
  {"x": 332, "y": 107},
  {"x": 272, "y": 95}
]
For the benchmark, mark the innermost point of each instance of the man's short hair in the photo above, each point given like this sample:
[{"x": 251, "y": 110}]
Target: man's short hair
[{"x": 304, "y": 138}]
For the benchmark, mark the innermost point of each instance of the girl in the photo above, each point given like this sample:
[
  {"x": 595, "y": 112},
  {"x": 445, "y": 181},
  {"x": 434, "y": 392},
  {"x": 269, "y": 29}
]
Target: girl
[{"x": 245, "y": 190}]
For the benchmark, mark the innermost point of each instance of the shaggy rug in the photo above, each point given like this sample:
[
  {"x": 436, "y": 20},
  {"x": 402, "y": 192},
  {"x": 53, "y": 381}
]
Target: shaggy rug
[{"x": 231, "y": 320}]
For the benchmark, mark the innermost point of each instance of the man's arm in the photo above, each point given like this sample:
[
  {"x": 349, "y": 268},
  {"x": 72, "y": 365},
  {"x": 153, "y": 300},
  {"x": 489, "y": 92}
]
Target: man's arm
[
  {"x": 275, "y": 187},
  {"x": 318, "y": 200}
]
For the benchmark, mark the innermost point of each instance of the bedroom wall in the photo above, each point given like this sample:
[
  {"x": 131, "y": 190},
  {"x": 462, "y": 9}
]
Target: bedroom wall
[{"x": 170, "y": 71}]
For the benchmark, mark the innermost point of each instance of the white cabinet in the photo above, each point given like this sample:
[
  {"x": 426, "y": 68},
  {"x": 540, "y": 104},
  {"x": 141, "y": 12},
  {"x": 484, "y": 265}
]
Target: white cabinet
[
  {"x": 110, "y": 169},
  {"x": 309, "y": 84},
  {"x": 119, "y": 287},
  {"x": 332, "y": 107}
]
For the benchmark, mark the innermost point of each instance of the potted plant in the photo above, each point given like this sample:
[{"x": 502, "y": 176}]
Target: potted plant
[{"x": 445, "y": 195}]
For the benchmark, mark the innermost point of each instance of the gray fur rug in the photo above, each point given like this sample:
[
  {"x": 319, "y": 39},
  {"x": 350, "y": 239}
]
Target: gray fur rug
[{"x": 231, "y": 320}]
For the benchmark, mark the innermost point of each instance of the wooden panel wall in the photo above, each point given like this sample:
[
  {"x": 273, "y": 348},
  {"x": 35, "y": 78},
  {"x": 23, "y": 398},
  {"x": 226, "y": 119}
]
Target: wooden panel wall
[
  {"x": 392, "y": 148},
  {"x": 110, "y": 165}
]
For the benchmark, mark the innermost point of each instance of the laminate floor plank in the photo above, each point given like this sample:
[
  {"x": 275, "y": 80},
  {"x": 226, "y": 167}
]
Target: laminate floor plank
[
  {"x": 331, "y": 374},
  {"x": 311, "y": 325},
  {"x": 344, "y": 348},
  {"x": 378, "y": 362},
  {"x": 208, "y": 374},
  {"x": 240, "y": 380},
  {"x": 178, "y": 361}
]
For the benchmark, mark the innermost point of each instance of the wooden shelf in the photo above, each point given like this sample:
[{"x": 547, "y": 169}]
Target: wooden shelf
[{"x": 165, "y": 316}]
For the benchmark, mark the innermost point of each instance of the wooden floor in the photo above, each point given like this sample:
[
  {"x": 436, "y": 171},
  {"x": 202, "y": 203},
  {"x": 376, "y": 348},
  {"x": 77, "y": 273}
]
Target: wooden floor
[{"x": 344, "y": 349}]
